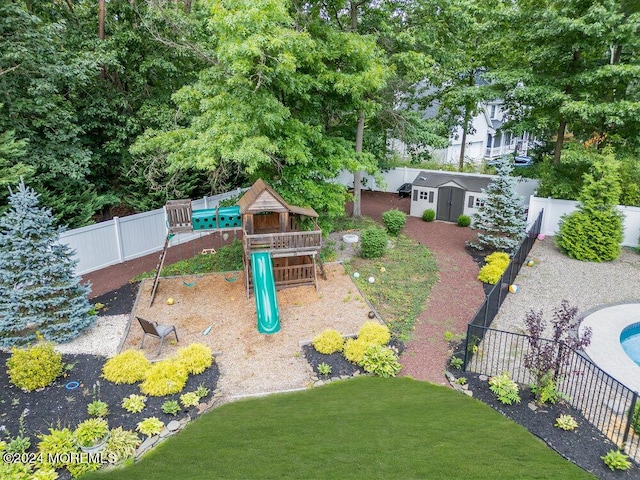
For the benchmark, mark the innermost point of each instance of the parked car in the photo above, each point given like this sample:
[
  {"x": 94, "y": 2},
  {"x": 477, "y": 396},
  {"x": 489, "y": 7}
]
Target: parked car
[
  {"x": 518, "y": 161},
  {"x": 523, "y": 161}
]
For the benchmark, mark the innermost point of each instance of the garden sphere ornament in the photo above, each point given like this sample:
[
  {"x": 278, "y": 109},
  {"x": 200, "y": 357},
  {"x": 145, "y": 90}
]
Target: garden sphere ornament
[
  {"x": 371, "y": 314},
  {"x": 514, "y": 288},
  {"x": 530, "y": 263},
  {"x": 356, "y": 275},
  {"x": 541, "y": 236},
  {"x": 372, "y": 280},
  {"x": 170, "y": 301}
]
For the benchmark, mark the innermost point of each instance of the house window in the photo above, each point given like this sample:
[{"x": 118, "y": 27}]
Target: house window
[
  {"x": 479, "y": 202},
  {"x": 493, "y": 111}
]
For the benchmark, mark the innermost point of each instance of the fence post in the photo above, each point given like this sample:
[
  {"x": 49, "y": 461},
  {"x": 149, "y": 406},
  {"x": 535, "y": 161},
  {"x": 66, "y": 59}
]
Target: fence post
[
  {"x": 634, "y": 401},
  {"x": 118, "y": 232},
  {"x": 466, "y": 348}
]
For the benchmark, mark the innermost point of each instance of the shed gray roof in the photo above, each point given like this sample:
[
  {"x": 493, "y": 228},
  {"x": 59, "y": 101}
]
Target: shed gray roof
[{"x": 471, "y": 183}]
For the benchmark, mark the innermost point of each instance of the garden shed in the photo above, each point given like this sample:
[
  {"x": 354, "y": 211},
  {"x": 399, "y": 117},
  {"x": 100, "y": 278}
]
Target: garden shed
[{"x": 449, "y": 194}]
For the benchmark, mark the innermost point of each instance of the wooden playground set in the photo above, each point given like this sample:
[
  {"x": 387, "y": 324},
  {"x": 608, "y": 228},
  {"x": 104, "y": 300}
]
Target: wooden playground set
[{"x": 277, "y": 253}]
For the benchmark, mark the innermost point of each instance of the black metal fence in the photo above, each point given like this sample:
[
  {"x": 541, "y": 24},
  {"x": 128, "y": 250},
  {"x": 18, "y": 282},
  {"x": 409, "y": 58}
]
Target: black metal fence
[
  {"x": 491, "y": 305},
  {"x": 605, "y": 403}
]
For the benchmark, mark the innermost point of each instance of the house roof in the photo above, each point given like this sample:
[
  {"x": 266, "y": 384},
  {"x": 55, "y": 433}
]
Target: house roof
[
  {"x": 262, "y": 197},
  {"x": 471, "y": 183}
]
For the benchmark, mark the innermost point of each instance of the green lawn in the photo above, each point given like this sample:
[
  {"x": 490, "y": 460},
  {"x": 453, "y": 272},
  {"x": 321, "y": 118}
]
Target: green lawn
[{"x": 362, "y": 428}]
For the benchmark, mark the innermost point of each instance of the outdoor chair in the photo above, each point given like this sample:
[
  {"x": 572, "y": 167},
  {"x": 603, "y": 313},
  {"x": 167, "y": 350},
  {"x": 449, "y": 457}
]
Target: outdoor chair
[{"x": 155, "y": 330}]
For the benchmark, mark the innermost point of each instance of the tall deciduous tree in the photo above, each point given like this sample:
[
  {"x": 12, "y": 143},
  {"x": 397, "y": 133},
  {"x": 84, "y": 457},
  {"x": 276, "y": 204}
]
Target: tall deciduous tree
[
  {"x": 275, "y": 102},
  {"x": 572, "y": 67},
  {"x": 39, "y": 291}
]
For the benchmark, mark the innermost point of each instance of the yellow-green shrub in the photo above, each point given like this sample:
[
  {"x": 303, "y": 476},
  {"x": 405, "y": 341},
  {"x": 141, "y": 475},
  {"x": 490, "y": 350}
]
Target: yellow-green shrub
[
  {"x": 354, "y": 349},
  {"x": 490, "y": 273},
  {"x": 34, "y": 367},
  {"x": 195, "y": 358},
  {"x": 498, "y": 258},
  {"x": 164, "y": 378},
  {"x": 374, "y": 333},
  {"x": 495, "y": 265},
  {"x": 130, "y": 366},
  {"x": 328, "y": 341}
]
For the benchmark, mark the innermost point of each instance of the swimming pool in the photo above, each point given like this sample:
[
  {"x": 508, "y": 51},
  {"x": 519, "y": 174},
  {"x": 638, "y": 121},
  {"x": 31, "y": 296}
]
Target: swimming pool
[{"x": 630, "y": 341}]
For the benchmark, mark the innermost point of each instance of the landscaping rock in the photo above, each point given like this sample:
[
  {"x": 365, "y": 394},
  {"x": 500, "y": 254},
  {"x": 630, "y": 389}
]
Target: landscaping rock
[{"x": 173, "y": 425}]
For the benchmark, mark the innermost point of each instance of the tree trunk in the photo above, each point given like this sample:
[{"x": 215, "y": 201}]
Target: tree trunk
[
  {"x": 357, "y": 175},
  {"x": 101, "y": 16},
  {"x": 559, "y": 141},
  {"x": 465, "y": 125}
]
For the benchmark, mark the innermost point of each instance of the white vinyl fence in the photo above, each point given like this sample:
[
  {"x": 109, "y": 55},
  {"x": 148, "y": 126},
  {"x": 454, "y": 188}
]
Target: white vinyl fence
[
  {"x": 554, "y": 209},
  {"x": 393, "y": 179},
  {"x": 121, "y": 239}
]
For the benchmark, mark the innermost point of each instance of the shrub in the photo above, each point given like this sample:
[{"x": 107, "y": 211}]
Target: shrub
[
  {"x": 394, "y": 220},
  {"x": 195, "y": 358},
  {"x": 34, "y": 367},
  {"x": 202, "y": 391},
  {"x": 98, "y": 408},
  {"x": 129, "y": 367},
  {"x": 456, "y": 362},
  {"x": 495, "y": 265},
  {"x": 490, "y": 273},
  {"x": 594, "y": 232},
  {"x": 464, "y": 220},
  {"x": 190, "y": 399},
  {"x": 373, "y": 242},
  {"x": 91, "y": 431},
  {"x": 566, "y": 422},
  {"x": 505, "y": 389},
  {"x": 548, "y": 391},
  {"x": 57, "y": 446},
  {"x": 381, "y": 361},
  {"x": 171, "y": 407},
  {"x": 328, "y": 341},
  {"x": 429, "y": 215},
  {"x": 498, "y": 258},
  {"x": 150, "y": 426},
  {"x": 324, "y": 369},
  {"x": 635, "y": 420},
  {"x": 354, "y": 350},
  {"x": 122, "y": 444},
  {"x": 134, "y": 403},
  {"x": 616, "y": 460},
  {"x": 372, "y": 332},
  {"x": 164, "y": 378}
]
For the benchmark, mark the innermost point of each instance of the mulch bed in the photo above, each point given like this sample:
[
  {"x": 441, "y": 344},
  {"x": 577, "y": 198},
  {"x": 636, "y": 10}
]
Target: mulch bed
[
  {"x": 57, "y": 406},
  {"x": 119, "y": 301},
  {"x": 340, "y": 366},
  {"x": 583, "y": 446}
]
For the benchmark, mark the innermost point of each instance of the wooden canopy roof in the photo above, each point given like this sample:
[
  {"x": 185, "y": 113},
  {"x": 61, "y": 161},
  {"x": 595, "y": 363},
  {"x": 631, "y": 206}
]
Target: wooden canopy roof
[{"x": 261, "y": 197}]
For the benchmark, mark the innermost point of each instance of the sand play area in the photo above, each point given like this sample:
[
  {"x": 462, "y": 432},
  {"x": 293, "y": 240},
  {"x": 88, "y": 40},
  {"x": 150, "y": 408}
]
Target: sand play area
[{"x": 250, "y": 363}]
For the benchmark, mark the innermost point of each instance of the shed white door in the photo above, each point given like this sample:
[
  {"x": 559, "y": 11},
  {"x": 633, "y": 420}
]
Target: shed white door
[{"x": 450, "y": 203}]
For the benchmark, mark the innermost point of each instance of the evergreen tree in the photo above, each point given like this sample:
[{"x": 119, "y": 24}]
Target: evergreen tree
[
  {"x": 501, "y": 218},
  {"x": 594, "y": 232},
  {"x": 39, "y": 291}
]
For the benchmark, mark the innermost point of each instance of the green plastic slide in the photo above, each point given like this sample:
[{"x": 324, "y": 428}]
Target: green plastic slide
[{"x": 264, "y": 289}]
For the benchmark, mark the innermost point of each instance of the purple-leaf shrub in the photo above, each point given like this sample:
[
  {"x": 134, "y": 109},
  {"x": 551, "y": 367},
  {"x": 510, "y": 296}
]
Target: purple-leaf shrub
[{"x": 546, "y": 357}]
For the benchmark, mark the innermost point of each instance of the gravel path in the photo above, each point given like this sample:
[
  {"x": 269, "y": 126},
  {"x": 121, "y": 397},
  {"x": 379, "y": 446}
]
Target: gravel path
[{"x": 556, "y": 277}]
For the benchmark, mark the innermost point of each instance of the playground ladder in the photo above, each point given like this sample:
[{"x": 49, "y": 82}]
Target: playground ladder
[{"x": 156, "y": 279}]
